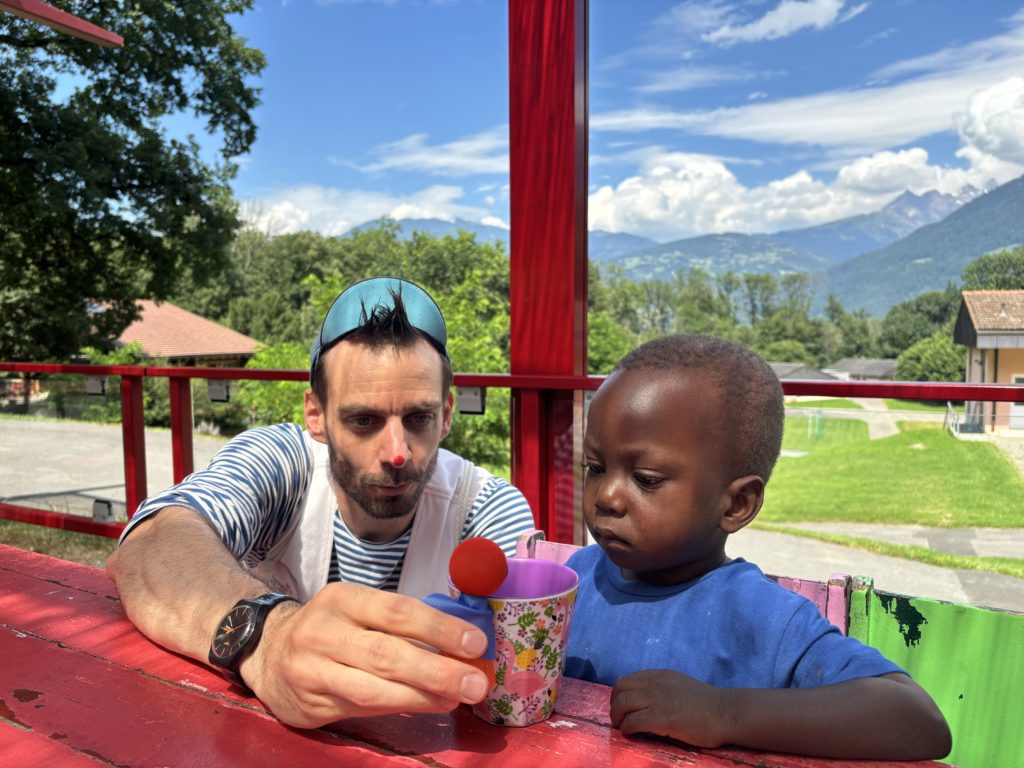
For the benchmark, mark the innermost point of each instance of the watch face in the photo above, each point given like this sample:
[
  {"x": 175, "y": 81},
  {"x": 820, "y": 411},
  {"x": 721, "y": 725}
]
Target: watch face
[{"x": 233, "y": 632}]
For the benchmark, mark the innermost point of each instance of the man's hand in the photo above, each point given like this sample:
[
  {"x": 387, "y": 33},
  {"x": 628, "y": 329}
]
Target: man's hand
[
  {"x": 671, "y": 704},
  {"x": 353, "y": 651}
]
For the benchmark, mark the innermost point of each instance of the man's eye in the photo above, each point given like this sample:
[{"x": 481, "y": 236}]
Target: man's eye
[
  {"x": 361, "y": 422},
  {"x": 422, "y": 419}
]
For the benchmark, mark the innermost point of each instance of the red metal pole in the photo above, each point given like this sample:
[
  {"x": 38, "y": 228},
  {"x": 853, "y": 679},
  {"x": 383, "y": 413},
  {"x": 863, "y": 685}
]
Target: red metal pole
[
  {"x": 548, "y": 271},
  {"x": 182, "y": 456},
  {"x": 61, "y": 520},
  {"x": 133, "y": 434}
]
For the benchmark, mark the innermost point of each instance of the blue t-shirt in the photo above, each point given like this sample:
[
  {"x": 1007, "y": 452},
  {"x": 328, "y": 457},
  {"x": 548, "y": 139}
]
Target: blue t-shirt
[{"x": 733, "y": 627}]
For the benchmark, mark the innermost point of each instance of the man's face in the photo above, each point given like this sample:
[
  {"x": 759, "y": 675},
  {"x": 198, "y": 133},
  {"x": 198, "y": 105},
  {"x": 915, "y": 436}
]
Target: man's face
[
  {"x": 383, "y": 422},
  {"x": 379, "y": 495}
]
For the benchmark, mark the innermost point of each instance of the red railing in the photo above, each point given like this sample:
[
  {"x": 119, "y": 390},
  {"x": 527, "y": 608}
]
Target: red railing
[{"x": 532, "y": 469}]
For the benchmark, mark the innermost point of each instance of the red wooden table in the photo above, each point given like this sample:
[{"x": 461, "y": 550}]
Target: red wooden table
[{"x": 79, "y": 686}]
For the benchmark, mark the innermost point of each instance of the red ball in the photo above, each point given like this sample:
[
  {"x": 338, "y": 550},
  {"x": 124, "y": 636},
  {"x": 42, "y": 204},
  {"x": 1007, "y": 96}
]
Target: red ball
[{"x": 478, "y": 567}]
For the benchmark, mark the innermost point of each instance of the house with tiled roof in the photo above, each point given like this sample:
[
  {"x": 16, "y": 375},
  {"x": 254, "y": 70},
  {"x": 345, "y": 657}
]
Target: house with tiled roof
[
  {"x": 798, "y": 371},
  {"x": 991, "y": 325},
  {"x": 168, "y": 331},
  {"x": 863, "y": 369}
]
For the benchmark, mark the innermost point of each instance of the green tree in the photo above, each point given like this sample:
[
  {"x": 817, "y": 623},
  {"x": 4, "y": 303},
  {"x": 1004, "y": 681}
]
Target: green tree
[
  {"x": 907, "y": 323},
  {"x": 857, "y": 331},
  {"x": 100, "y": 205},
  {"x": 999, "y": 271},
  {"x": 760, "y": 295},
  {"x": 607, "y": 343},
  {"x": 273, "y": 402},
  {"x": 703, "y": 303},
  {"x": 787, "y": 351},
  {"x": 935, "y": 358}
]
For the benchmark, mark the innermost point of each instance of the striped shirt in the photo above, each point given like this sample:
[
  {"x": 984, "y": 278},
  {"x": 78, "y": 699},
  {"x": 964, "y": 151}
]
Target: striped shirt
[{"x": 254, "y": 485}]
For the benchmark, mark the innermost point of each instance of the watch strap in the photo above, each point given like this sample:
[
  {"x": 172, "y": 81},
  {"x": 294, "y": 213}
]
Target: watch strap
[{"x": 262, "y": 606}]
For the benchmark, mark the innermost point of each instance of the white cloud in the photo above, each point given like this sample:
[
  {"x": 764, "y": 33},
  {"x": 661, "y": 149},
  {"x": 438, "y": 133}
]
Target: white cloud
[
  {"x": 677, "y": 195},
  {"x": 993, "y": 122},
  {"x": 864, "y": 120},
  {"x": 485, "y": 152},
  {"x": 886, "y": 172},
  {"x": 973, "y": 55},
  {"x": 787, "y": 17},
  {"x": 494, "y": 221},
  {"x": 689, "y": 78},
  {"x": 332, "y": 211}
]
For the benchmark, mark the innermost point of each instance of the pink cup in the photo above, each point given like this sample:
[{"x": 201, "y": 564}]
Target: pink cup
[{"x": 532, "y": 615}]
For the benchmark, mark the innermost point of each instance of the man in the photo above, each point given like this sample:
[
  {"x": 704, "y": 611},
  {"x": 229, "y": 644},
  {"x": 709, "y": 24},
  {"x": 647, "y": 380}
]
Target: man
[{"x": 347, "y": 522}]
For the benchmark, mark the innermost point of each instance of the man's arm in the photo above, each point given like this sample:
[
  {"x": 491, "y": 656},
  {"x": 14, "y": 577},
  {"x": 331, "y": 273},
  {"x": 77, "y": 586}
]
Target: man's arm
[
  {"x": 343, "y": 654},
  {"x": 888, "y": 717}
]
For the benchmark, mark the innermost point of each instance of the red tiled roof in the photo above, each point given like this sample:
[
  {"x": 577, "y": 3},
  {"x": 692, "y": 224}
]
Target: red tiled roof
[
  {"x": 995, "y": 310},
  {"x": 165, "y": 330}
]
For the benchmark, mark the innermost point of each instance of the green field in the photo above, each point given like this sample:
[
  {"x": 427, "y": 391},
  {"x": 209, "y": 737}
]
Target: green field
[
  {"x": 828, "y": 402},
  {"x": 814, "y": 433},
  {"x": 916, "y": 405},
  {"x": 77, "y": 547},
  {"x": 921, "y": 476}
]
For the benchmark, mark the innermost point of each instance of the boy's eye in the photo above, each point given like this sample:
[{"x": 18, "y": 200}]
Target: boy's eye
[
  {"x": 593, "y": 468},
  {"x": 646, "y": 481}
]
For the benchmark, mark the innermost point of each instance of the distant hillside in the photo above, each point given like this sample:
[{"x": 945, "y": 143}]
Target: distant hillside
[
  {"x": 718, "y": 254},
  {"x": 440, "y": 228},
  {"x": 603, "y": 246},
  {"x": 611, "y": 246},
  {"x": 841, "y": 240},
  {"x": 797, "y": 250},
  {"x": 933, "y": 256}
]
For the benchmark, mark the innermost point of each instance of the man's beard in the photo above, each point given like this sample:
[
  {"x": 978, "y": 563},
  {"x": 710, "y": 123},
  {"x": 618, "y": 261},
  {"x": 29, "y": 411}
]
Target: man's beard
[{"x": 360, "y": 488}]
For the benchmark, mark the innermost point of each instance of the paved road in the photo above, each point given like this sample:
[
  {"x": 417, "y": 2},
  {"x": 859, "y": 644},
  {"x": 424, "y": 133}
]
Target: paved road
[
  {"x": 806, "y": 558},
  {"x": 70, "y": 463}
]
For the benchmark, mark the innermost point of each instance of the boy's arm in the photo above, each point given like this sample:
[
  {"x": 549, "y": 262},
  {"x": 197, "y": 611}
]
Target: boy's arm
[{"x": 889, "y": 717}]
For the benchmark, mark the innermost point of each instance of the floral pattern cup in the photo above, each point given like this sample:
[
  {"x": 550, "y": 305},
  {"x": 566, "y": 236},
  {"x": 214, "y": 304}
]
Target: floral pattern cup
[{"x": 532, "y": 616}]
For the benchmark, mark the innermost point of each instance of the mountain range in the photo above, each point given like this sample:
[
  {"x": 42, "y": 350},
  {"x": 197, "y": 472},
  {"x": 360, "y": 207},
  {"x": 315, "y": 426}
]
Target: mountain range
[{"x": 872, "y": 261}]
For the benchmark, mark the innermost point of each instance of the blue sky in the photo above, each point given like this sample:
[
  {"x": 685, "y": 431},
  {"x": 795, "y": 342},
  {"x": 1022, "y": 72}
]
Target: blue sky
[{"x": 705, "y": 116}]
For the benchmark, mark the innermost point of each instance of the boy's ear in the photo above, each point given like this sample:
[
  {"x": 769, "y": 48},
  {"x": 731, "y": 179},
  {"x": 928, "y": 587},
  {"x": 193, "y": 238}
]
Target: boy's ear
[{"x": 746, "y": 494}]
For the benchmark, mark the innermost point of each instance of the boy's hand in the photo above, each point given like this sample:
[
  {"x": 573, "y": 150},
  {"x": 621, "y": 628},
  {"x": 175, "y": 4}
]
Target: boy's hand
[{"x": 671, "y": 704}]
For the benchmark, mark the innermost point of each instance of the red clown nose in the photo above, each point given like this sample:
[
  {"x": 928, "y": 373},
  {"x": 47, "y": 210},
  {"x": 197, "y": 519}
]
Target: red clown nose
[{"x": 398, "y": 460}]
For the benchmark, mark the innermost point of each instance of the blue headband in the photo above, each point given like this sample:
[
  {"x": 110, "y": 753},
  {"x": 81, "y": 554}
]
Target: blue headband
[{"x": 357, "y": 303}]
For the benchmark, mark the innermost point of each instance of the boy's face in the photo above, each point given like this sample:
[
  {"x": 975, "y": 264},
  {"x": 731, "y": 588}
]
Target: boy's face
[{"x": 658, "y": 483}]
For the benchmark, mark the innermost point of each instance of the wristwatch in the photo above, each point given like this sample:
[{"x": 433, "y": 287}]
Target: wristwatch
[{"x": 239, "y": 632}]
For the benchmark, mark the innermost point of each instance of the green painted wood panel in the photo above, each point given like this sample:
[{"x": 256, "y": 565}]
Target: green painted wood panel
[{"x": 970, "y": 659}]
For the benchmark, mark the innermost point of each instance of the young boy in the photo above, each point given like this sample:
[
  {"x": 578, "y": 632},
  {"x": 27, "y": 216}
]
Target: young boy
[{"x": 680, "y": 441}]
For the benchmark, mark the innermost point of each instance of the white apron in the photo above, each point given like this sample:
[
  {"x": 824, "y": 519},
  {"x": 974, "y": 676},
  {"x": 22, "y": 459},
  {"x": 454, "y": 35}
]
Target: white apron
[{"x": 299, "y": 563}]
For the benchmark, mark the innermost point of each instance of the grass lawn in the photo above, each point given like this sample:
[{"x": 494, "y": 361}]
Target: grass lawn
[
  {"x": 67, "y": 545},
  {"x": 830, "y": 402},
  {"x": 917, "y": 405},
  {"x": 811, "y": 433},
  {"x": 922, "y": 476}
]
